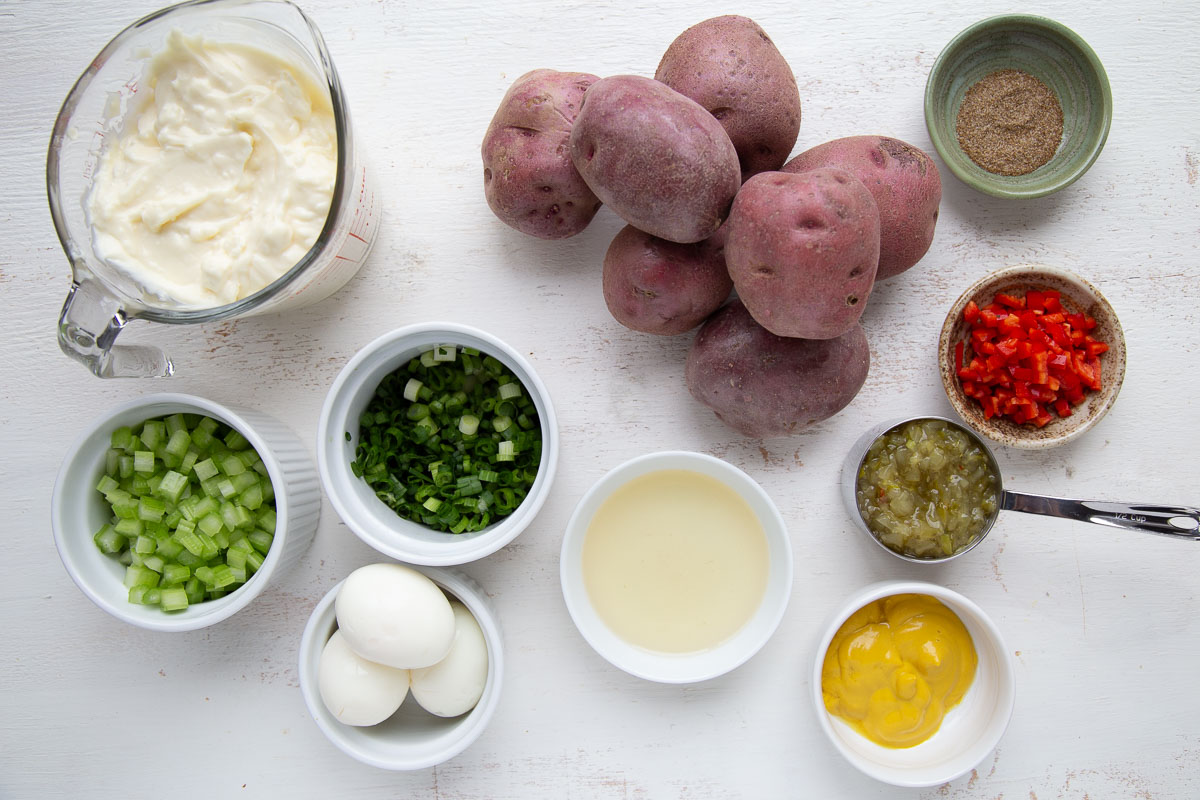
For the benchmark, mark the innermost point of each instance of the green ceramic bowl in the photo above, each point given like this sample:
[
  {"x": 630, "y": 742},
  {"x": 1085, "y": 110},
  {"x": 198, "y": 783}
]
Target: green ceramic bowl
[{"x": 1050, "y": 52}]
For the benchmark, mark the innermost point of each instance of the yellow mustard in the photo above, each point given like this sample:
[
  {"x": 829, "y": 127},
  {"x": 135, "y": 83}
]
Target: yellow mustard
[{"x": 896, "y": 666}]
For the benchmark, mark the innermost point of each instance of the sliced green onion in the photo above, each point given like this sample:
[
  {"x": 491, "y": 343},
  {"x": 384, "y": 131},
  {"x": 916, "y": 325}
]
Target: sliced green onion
[{"x": 436, "y": 432}]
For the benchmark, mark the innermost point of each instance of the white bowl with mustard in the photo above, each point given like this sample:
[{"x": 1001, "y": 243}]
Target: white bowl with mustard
[{"x": 912, "y": 683}]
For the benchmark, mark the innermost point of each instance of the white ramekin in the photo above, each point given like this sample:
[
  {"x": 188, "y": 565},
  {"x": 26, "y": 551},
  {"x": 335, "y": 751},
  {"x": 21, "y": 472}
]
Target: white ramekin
[
  {"x": 412, "y": 738},
  {"x": 970, "y": 731},
  {"x": 678, "y": 667},
  {"x": 363, "y": 512},
  {"x": 78, "y": 510}
]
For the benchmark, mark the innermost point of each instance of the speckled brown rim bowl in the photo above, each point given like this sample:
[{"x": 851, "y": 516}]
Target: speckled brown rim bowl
[
  {"x": 1052, "y": 53},
  {"x": 1078, "y": 296}
]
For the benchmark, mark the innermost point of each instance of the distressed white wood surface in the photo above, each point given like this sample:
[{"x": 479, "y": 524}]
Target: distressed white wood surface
[{"x": 1104, "y": 624}]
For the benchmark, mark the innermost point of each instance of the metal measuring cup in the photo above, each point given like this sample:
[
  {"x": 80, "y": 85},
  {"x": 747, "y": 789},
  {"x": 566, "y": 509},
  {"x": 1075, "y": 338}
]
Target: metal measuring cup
[
  {"x": 1179, "y": 522},
  {"x": 102, "y": 299}
]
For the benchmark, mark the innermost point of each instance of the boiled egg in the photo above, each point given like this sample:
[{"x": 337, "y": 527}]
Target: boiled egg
[
  {"x": 394, "y": 615},
  {"x": 355, "y": 690},
  {"x": 454, "y": 685}
]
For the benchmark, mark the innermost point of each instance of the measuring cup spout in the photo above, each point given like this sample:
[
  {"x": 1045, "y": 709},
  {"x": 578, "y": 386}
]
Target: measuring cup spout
[
  {"x": 1180, "y": 522},
  {"x": 91, "y": 318}
]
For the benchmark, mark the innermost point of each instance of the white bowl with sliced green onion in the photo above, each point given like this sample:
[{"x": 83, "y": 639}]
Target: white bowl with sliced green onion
[
  {"x": 173, "y": 512},
  {"x": 437, "y": 444}
]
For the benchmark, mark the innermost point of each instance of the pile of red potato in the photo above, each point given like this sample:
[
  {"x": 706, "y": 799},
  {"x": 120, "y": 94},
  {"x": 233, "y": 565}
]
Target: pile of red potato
[{"x": 694, "y": 160}]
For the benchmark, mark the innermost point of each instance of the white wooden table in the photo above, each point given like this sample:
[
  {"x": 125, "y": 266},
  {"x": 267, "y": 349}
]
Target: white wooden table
[{"x": 1104, "y": 625}]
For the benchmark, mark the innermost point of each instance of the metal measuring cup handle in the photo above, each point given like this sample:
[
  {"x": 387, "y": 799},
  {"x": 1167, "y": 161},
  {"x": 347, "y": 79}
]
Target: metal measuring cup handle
[
  {"x": 91, "y": 318},
  {"x": 1180, "y": 522}
]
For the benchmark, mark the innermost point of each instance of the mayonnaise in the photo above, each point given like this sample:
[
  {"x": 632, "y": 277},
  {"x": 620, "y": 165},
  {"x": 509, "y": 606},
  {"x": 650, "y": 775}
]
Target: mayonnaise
[
  {"x": 222, "y": 175},
  {"x": 896, "y": 666}
]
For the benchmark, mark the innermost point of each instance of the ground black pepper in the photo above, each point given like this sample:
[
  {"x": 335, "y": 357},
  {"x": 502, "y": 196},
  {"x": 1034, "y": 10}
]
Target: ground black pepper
[{"x": 1009, "y": 123}]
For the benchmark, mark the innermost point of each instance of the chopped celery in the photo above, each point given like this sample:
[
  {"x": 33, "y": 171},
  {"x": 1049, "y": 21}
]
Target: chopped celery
[
  {"x": 252, "y": 498},
  {"x": 129, "y": 528},
  {"x": 143, "y": 461},
  {"x": 192, "y": 509},
  {"x": 171, "y": 486},
  {"x": 175, "y": 573},
  {"x": 173, "y": 598},
  {"x": 153, "y": 432},
  {"x": 178, "y": 444},
  {"x": 235, "y": 441},
  {"x": 109, "y": 541},
  {"x": 151, "y": 509},
  {"x": 261, "y": 541},
  {"x": 205, "y": 469}
]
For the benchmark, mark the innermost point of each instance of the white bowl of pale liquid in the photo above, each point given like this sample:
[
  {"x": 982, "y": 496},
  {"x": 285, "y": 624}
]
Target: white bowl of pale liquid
[{"x": 649, "y": 579}]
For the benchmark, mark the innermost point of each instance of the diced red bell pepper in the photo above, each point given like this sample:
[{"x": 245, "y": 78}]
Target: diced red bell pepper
[
  {"x": 1028, "y": 357},
  {"x": 1010, "y": 301}
]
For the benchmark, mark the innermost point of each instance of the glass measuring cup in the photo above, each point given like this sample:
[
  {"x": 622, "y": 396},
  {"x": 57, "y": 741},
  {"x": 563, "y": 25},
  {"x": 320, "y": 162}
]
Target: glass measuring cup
[
  {"x": 102, "y": 299},
  {"x": 1179, "y": 522}
]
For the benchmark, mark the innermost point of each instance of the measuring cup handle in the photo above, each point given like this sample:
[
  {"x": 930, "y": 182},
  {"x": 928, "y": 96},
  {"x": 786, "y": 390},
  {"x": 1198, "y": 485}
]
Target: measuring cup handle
[
  {"x": 87, "y": 328},
  {"x": 1180, "y": 522}
]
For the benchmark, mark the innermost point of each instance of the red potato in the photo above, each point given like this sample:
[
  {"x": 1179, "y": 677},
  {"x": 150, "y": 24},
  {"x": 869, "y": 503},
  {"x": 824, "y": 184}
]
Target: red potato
[
  {"x": 766, "y": 385},
  {"x": 731, "y": 67},
  {"x": 802, "y": 251},
  {"x": 905, "y": 184},
  {"x": 655, "y": 286},
  {"x": 656, "y": 158},
  {"x": 528, "y": 177}
]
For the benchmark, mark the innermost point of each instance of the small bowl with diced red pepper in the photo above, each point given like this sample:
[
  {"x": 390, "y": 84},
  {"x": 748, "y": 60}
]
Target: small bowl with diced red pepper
[{"x": 1032, "y": 356}]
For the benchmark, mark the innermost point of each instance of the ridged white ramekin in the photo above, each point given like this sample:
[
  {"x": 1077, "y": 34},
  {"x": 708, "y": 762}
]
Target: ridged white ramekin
[{"x": 78, "y": 510}]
